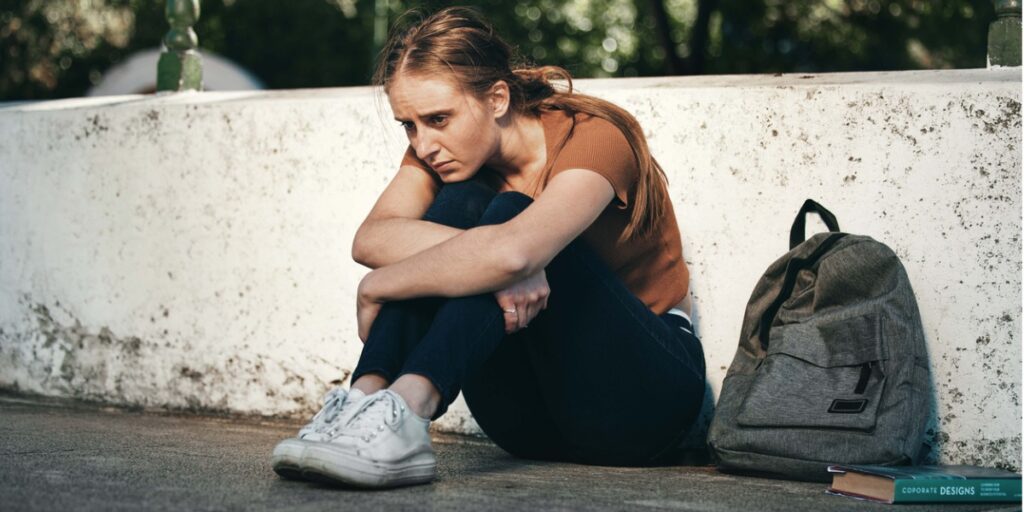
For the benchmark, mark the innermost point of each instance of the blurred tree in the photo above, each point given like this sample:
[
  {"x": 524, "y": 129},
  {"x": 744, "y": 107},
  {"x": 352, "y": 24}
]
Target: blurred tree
[
  {"x": 59, "y": 48},
  {"x": 588, "y": 37},
  {"x": 51, "y": 48},
  {"x": 847, "y": 35}
]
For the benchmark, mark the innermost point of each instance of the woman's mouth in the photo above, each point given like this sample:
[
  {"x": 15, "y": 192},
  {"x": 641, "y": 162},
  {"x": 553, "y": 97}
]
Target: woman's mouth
[{"x": 441, "y": 166}]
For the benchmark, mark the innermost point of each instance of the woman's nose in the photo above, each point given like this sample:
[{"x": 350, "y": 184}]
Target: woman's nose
[{"x": 425, "y": 146}]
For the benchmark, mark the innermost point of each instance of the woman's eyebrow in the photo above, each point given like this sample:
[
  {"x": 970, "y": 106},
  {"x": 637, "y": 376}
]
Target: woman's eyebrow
[{"x": 444, "y": 112}]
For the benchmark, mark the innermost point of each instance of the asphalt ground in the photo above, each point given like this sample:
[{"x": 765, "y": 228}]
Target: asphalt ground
[{"x": 66, "y": 455}]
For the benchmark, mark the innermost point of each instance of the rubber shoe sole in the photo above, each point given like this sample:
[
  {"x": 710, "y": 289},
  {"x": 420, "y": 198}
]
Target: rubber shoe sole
[
  {"x": 326, "y": 463},
  {"x": 286, "y": 458}
]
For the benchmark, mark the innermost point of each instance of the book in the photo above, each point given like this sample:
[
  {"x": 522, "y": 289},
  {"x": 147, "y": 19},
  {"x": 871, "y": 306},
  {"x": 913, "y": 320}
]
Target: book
[{"x": 925, "y": 484}]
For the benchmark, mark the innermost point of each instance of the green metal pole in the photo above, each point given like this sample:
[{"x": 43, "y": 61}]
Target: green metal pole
[
  {"x": 180, "y": 67},
  {"x": 380, "y": 27},
  {"x": 1004, "y": 34}
]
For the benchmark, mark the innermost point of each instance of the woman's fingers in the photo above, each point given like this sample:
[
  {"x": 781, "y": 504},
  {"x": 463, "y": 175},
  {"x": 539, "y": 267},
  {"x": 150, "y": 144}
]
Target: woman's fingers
[
  {"x": 511, "y": 321},
  {"x": 521, "y": 302},
  {"x": 517, "y": 316},
  {"x": 532, "y": 309},
  {"x": 509, "y": 311},
  {"x": 525, "y": 315},
  {"x": 520, "y": 310}
]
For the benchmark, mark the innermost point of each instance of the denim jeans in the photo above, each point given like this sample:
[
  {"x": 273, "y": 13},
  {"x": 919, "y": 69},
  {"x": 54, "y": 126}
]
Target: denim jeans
[{"x": 596, "y": 378}]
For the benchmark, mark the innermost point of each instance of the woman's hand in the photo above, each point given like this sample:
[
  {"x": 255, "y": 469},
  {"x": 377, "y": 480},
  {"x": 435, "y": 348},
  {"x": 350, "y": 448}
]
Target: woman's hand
[
  {"x": 366, "y": 311},
  {"x": 522, "y": 301}
]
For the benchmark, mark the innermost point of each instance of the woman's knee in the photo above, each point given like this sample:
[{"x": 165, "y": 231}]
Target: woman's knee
[
  {"x": 504, "y": 207},
  {"x": 460, "y": 205}
]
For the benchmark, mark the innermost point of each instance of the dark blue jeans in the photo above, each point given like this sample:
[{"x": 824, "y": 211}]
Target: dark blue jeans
[{"x": 596, "y": 378}]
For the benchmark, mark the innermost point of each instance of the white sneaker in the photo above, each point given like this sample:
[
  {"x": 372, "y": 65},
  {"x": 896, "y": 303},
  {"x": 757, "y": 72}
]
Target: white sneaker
[
  {"x": 383, "y": 444},
  {"x": 287, "y": 455}
]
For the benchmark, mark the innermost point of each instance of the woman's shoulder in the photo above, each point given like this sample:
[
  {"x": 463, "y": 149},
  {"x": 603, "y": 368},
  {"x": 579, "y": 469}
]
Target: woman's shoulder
[
  {"x": 596, "y": 144},
  {"x": 580, "y": 123},
  {"x": 601, "y": 129},
  {"x": 589, "y": 133},
  {"x": 589, "y": 137}
]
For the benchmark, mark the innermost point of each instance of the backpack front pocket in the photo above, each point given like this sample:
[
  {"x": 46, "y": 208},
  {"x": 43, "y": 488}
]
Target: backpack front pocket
[{"x": 828, "y": 375}]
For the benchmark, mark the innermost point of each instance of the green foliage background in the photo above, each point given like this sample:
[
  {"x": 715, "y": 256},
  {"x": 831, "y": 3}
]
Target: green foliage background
[{"x": 59, "y": 48}]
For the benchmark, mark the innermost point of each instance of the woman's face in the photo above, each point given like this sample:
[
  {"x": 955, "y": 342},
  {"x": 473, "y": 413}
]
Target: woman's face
[{"x": 449, "y": 129}]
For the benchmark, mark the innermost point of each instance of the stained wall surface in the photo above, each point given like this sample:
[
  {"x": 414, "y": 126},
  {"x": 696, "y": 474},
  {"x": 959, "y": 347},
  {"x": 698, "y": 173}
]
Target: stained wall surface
[{"x": 193, "y": 250}]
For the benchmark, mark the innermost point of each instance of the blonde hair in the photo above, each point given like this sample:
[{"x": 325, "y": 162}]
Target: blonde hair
[{"x": 458, "y": 41}]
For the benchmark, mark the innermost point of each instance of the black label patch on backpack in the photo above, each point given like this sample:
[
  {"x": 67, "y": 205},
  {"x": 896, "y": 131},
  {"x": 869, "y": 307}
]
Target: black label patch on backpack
[{"x": 840, "y": 406}]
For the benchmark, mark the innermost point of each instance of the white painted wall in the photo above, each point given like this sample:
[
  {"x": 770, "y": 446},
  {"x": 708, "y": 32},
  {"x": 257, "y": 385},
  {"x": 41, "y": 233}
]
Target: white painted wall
[{"x": 192, "y": 250}]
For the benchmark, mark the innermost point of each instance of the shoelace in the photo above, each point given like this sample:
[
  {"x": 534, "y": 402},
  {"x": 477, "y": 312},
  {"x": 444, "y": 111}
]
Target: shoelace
[
  {"x": 333, "y": 402},
  {"x": 373, "y": 416}
]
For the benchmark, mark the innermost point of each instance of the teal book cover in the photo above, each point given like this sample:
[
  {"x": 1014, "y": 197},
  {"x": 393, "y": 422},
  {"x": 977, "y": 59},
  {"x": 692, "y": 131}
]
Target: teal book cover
[{"x": 926, "y": 484}]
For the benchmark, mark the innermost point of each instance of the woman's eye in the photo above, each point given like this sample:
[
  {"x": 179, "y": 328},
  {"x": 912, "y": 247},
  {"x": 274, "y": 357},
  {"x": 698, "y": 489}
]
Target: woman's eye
[
  {"x": 438, "y": 120},
  {"x": 407, "y": 126}
]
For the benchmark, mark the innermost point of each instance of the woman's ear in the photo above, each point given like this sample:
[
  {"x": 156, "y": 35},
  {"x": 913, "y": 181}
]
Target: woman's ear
[{"x": 499, "y": 98}]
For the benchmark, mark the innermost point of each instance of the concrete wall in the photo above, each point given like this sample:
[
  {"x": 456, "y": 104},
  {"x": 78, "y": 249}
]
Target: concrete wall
[{"x": 192, "y": 250}]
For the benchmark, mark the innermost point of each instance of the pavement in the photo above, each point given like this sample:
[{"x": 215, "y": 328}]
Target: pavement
[{"x": 61, "y": 455}]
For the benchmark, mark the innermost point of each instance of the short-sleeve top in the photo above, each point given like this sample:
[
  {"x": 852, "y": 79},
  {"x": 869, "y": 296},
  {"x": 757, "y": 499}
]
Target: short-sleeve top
[{"x": 651, "y": 267}]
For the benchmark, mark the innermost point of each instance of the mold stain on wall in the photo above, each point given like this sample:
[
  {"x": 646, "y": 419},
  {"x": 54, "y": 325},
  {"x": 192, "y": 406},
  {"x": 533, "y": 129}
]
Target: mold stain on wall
[{"x": 66, "y": 358}]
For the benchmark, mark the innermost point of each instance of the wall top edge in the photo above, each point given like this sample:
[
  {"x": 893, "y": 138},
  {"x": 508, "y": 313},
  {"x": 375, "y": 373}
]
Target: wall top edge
[
  {"x": 922, "y": 77},
  {"x": 993, "y": 76}
]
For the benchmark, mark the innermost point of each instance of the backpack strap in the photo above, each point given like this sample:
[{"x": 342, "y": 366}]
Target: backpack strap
[
  {"x": 797, "y": 233},
  {"x": 794, "y": 266}
]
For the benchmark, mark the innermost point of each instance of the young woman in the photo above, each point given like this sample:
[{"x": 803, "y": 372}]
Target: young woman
[{"x": 527, "y": 254}]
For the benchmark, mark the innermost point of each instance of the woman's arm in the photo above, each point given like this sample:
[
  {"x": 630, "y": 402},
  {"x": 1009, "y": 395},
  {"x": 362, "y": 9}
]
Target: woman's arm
[
  {"x": 390, "y": 240},
  {"x": 490, "y": 258},
  {"x": 393, "y": 230}
]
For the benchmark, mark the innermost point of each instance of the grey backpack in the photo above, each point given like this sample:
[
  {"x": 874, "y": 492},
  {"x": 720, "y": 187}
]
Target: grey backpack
[{"x": 831, "y": 366}]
